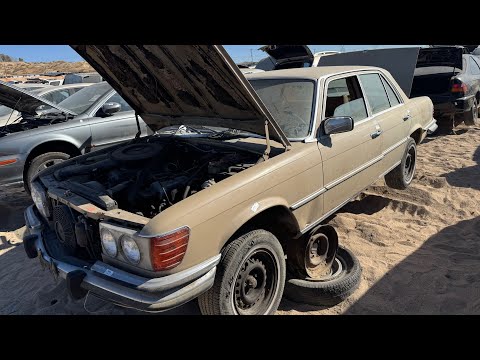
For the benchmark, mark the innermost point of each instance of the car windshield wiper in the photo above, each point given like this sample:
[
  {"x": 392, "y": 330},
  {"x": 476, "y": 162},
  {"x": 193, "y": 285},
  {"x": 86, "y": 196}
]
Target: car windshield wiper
[{"x": 231, "y": 134}]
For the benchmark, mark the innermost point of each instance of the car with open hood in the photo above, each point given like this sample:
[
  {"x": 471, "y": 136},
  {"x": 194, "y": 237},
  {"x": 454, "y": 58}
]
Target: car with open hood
[
  {"x": 55, "y": 94},
  {"x": 43, "y": 133},
  {"x": 235, "y": 212}
]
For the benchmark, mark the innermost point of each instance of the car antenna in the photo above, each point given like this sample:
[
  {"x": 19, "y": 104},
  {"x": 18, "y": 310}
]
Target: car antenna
[
  {"x": 137, "y": 135},
  {"x": 6, "y": 123}
]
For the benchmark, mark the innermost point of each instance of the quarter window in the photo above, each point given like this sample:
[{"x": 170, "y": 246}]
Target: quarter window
[
  {"x": 344, "y": 98},
  {"x": 392, "y": 97},
  {"x": 375, "y": 92}
]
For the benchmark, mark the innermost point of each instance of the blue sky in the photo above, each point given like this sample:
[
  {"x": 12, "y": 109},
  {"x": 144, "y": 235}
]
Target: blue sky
[{"x": 239, "y": 53}]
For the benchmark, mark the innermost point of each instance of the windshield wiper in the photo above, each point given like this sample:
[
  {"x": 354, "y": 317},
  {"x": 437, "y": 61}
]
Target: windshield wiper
[{"x": 231, "y": 134}]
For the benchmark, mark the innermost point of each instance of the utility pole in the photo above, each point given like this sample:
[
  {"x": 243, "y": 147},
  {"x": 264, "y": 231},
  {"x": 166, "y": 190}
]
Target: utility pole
[
  {"x": 251, "y": 54},
  {"x": 342, "y": 48}
]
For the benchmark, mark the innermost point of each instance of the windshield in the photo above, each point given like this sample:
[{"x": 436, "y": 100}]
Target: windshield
[
  {"x": 83, "y": 99},
  {"x": 290, "y": 101}
]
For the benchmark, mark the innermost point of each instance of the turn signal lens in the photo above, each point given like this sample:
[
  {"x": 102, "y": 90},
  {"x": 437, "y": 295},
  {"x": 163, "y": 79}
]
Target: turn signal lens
[
  {"x": 459, "y": 88},
  {"x": 168, "y": 250},
  {"x": 8, "y": 162}
]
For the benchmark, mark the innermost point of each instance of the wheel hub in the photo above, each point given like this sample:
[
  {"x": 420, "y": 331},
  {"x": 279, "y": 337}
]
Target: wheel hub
[{"x": 250, "y": 284}]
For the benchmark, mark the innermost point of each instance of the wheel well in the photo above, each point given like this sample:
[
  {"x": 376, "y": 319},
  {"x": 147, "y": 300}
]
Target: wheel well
[
  {"x": 278, "y": 220},
  {"x": 51, "y": 146},
  {"x": 417, "y": 135}
]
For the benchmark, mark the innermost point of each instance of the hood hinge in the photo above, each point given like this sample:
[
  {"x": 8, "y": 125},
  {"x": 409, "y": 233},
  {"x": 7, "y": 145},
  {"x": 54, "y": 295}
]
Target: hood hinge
[
  {"x": 266, "y": 154},
  {"x": 137, "y": 135}
]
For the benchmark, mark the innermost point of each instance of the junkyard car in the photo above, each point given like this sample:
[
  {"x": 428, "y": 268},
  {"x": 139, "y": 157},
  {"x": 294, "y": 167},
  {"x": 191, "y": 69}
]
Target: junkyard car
[
  {"x": 55, "y": 94},
  {"x": 92, "y": 118},
  {"x": 165, "y": 219}
]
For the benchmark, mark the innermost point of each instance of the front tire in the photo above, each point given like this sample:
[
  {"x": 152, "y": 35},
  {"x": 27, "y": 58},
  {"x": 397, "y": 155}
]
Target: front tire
[
  {"x": 41, "y": 162},
  {"x": 401, "y": 177},
  {"x": 250, "y": 277}
]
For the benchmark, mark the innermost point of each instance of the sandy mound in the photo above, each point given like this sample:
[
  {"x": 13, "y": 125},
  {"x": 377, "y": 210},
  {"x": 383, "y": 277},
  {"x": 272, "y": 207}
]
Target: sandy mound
[{"x": 419, "y": 248}]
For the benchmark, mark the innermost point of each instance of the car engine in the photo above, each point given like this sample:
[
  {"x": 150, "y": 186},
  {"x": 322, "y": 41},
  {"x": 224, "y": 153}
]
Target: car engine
[{"x": 148, "y": 177}]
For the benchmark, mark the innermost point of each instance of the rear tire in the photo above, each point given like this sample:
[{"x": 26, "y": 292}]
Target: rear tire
[
  {"x": 250, "y": 277},
  {"x": 343, "y": 282},
  {"x": 41, "y": 162},
  {"x": 401, "y": 177},
  {"x": 471, "y": 117}
]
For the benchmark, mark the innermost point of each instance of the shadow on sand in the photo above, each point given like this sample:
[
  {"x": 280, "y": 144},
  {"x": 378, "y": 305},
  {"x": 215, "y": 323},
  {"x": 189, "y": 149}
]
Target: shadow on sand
[
  {"x": 12, "y": 203},
  {"x": 441, "y": 277},
  {"x": 468, "y": 177}
]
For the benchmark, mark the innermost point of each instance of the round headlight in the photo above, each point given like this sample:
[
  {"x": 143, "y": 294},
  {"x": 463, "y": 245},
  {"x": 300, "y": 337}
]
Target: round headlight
[
  {"x": 130, "y": 249},
  {"x": 39, "y": 198},
  {"x": 108, "y": 243}
]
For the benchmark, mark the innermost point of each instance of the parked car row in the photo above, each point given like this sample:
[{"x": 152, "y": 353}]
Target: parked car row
[{"x": 226, "y": 195}]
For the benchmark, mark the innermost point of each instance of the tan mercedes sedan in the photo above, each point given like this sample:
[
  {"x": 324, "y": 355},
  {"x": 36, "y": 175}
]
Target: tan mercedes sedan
[{"x": 227, "y": 200}]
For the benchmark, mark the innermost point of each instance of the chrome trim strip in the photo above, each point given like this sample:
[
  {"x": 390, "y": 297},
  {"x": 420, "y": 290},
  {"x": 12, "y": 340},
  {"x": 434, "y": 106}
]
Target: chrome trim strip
[
  {"x": 354, "y": 172},
  {"x": 334, "y": 183},
  {"x": 394, "y": 146},
  {"x": 308, "y": 198},
  {"x": 390, "y": 169},
  {"x": 316, "y": 222}
]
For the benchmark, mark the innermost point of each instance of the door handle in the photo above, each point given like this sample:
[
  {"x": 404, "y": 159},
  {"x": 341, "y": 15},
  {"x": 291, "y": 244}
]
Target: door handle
[
  {"x": 376, "y": 134},
  {"x": 407, "y": 116}
]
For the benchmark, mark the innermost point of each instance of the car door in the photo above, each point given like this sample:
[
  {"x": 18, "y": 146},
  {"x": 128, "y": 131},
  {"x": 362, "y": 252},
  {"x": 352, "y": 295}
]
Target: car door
[
  {"x": 351, "y": 159},
  {"x": 116, "y": 128},
  {"x": 391, "y": 115}
]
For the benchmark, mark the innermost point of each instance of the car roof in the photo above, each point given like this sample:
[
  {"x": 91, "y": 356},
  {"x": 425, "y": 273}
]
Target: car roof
[
  {"x": 308, "y": 73},
  {"x": 67, "y": 86}
]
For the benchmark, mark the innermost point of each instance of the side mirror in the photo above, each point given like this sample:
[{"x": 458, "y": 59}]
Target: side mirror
[
  {"x": 110, "y": 108},
  {"x": 337, "y": 124}
]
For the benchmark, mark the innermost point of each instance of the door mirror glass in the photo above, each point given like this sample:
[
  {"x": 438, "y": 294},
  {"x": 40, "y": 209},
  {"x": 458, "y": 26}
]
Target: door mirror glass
[
  {"x": 338, "y": 124},
  {"x": 110, "y": 108}
]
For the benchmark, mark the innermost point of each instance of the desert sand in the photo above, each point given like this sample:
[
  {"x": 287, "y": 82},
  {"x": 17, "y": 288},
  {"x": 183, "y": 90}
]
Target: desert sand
[{"x": 419, "y": 248}]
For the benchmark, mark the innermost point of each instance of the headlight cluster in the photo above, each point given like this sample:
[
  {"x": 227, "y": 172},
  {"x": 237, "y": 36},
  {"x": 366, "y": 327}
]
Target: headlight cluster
[
  {"x": 114, "y": 237},
  {"x": 39, "y": 197}
]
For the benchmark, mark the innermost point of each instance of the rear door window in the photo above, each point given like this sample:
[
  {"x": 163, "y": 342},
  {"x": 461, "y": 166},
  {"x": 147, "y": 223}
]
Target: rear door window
[
  {"x": 375, "y": 92},
  {"x": 344, "y": 98}
]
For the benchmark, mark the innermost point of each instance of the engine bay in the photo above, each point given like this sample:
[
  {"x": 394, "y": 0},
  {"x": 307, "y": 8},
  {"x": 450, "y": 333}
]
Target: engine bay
[
  {"x": 27, "y": 122},
  {"x": 146, "y": 178}
]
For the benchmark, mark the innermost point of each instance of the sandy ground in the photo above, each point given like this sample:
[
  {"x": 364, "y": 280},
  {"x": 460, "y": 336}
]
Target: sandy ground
[{"x": 419, "y": 249}]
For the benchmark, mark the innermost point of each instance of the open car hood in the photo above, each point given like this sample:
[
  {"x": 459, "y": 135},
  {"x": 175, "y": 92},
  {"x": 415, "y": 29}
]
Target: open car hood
[
  {"x": 283, "y": 54},
  {"x": 440, "y": 56},
  {"x": 183, "y": 84},
  {"x": 23, "y": 100}
]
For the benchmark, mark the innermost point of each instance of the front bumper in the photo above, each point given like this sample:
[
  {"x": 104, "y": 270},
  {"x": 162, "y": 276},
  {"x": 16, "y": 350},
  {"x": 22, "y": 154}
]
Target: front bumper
[{"x": 118, "y": 286}]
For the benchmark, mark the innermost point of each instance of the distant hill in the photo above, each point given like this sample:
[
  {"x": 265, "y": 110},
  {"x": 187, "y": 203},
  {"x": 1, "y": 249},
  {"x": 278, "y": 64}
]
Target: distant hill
[{"x": 25, "y": 68}]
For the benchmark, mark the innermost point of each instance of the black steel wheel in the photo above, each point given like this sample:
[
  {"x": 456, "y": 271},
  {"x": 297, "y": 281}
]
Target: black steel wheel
[
  {"x": 402, "y": 176},
  {"x": 250, "y": 277}
]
